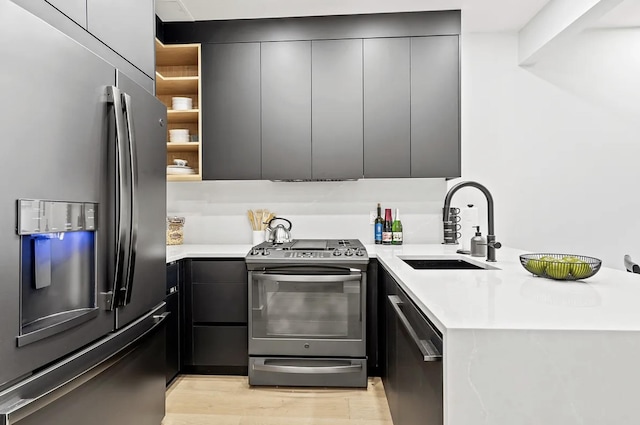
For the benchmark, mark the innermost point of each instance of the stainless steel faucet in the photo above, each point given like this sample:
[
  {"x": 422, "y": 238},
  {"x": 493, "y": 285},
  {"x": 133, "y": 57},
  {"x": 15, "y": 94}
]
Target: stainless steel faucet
[{"x": 492, "y": 245}]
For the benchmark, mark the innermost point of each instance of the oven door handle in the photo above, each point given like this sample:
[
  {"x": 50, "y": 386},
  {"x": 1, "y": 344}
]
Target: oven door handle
[
  {"x": 262, "y": 367},
  {"x": 309, "y": 278}
]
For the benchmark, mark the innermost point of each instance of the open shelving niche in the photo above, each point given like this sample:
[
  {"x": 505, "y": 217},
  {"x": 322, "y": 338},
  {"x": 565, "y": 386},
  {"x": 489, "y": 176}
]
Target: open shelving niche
[{"x": 178, "y": 74}]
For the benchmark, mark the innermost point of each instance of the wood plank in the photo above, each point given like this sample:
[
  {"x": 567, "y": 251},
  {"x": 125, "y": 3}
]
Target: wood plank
[
  {"x": 189, "y": 115},
  {"x": 176, "y": 147},
  {"x": 185, "y": 178},
  {"x": 229, "y": 400},
  {"x": 176, "y": 54},
  {"x": 170, "y": 85}
]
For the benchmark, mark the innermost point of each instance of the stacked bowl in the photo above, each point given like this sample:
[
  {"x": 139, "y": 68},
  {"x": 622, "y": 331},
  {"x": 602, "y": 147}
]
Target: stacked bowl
[{"x": 181, "y": 103}]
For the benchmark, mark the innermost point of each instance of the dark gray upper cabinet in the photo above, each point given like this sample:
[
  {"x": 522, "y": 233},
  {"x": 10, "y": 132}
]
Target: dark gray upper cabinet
[
  {"x": 336, "y": 110},
  {"x": 387, "y": 107},
  {"x": 286, "y": 110},
  {"x": 231, "y": 111},
  {"x": 126, "y": 26},
  {"x": 74, "y": 9},
  {"x": 435, "y": 106}
]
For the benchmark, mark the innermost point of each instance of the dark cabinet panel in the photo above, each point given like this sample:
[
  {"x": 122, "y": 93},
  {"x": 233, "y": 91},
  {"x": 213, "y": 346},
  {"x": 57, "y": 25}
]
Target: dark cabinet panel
[
  {"x": 336, "y": 110},
  {"x": 390, "y": 370},
  {"x": 173, "y": 336},
  {"x": 220, "y": 346},
  {"x": 128, "y": 27},
  {"x": 372, "y": 319},
  {"x": 286, "y": 110},
  {"x": 387, "y": 107},
  {"x": 218, "y": 271},
  {"x": 220, "y": 302},
  {"x": 74, "y": 9},
  {"x": 231, "y": 111},
  {"x": 435, "y": 106}
]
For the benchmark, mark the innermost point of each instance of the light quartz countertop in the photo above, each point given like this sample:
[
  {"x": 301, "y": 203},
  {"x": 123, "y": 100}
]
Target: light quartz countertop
[
  {"x": 517, "y": 348},
  {"x": 507, "y": 297}
]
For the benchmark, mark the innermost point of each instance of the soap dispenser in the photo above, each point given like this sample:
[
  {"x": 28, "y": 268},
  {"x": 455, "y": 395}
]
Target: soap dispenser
[{"x": 478, "y": 244}]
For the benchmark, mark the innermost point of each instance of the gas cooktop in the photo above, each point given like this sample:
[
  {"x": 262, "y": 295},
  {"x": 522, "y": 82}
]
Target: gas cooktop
[{"x": 323, "y": 250}]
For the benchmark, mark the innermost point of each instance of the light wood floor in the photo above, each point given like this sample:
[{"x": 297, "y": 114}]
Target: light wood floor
[{"x": 228, "y": 400}]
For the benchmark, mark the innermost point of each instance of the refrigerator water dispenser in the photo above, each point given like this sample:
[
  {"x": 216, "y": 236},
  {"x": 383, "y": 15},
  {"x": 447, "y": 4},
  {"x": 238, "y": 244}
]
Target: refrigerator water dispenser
[{"x": 58, "y": 266}]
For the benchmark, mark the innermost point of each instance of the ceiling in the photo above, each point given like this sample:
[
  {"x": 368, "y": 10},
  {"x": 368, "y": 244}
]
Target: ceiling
[{"x": 477, "y": 15}]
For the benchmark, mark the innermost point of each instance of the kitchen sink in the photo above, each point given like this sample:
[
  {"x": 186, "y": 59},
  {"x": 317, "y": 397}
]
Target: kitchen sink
[{"x": 444, "y": 264}]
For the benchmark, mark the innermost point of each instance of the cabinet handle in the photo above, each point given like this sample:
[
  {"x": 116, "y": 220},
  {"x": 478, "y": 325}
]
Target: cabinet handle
[{"x": 427, "y": 349}]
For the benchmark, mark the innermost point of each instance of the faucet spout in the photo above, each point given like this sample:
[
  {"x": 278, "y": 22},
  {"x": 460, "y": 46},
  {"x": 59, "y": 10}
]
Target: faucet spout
[{"x": 492, "y": 245}]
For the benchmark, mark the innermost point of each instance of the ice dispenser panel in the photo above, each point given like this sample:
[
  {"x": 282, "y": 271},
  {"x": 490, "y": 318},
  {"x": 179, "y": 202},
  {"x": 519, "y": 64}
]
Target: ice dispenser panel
[{"x": 58, "y": 271}]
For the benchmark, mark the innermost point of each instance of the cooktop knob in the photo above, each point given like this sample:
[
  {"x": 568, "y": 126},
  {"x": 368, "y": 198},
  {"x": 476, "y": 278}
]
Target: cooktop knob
[
  {"x": 359, "y": 253},
  {"x": 255, "y": 252},
  {"x": 337, "y": 253},
  {"x": 266, "y": 252},
  {"x": 349, "y": 252}
]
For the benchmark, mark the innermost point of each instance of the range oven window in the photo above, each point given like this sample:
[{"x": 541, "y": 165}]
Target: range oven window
[{"x": 308, "y": 306}]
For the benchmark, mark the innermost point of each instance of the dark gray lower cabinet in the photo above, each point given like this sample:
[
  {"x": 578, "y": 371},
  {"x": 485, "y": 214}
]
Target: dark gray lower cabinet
[
  {"x": 174, "y": 321},
  {"x": 217, "y": 317},
  {"x": 336, "y": 109},
  {"x": 220, "y": 345},
  {"x": 435, "y": 106},
  {"x": 231, "y": 111},
  {"x": 387, "y": 107},
  {"x": 413, "y": 362},
  {"x": 286, "y": 110}
]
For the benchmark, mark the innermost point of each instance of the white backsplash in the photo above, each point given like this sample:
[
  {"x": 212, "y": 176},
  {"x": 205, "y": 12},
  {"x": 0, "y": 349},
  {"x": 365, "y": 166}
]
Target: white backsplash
[{"x": 216, "y": 211}]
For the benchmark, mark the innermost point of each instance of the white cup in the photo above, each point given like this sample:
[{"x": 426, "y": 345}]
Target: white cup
[{"x": 258, "y": 237}]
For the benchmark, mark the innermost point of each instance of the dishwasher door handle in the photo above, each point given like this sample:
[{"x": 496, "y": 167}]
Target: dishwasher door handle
[
  {"x": 261, "y": 366},
  {"x": 427, "y": 349}
]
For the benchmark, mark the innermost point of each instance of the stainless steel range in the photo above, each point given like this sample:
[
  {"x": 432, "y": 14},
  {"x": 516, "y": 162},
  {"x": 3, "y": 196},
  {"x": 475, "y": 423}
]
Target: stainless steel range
[{"x": 307, "y": 316}]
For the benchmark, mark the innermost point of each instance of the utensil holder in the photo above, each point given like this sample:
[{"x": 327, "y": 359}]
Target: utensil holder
[{"x": 258, "y": 237}]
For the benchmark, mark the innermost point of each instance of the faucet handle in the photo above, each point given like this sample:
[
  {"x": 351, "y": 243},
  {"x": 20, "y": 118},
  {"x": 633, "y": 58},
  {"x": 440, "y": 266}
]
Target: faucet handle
[{"x": 493, "y": 244}]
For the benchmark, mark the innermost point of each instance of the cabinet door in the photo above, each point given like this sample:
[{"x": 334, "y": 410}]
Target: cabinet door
[
  {"x": 286, "y": 110},
  {"x": 387, "y": 113},
  {"x": 231, "y": 111},
  {"x": 74, "y": 9},
  {"x": 128, "y": 27},
  {"x": 220, "y": 346},
  {"x": 435, "y": 107},
  {"x": 336, "y": 109}
]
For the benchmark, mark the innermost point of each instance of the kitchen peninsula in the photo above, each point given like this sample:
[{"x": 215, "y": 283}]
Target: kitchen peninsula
[{"x": 517, "y": 349}]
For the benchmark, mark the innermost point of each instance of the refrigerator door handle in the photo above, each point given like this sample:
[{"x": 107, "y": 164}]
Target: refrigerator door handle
[
  {"x": 122, "y": 177},
  {"x": 133, "y": 197}
]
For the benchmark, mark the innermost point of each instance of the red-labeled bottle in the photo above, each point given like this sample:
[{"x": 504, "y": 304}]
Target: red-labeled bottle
[{"x": 387, "y": 228}]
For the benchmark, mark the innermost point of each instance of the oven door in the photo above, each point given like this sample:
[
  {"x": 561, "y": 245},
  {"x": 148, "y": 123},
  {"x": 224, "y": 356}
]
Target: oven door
[{"x": 310, "y": 311}]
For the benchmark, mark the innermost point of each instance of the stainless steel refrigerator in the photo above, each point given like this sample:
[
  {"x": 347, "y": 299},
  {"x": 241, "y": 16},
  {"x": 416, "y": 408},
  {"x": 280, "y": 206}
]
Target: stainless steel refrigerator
[{"x": 82, "y": 219}]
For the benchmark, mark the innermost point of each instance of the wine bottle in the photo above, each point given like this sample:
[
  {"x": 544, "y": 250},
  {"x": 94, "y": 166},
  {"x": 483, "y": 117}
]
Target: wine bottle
[
  {"x": 379, "y": 222},
  {"x": 396, "y": 229},
  {"x": 387, "y": 228}
]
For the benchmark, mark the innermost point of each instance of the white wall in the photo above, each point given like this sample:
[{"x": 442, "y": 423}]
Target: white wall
[
  {"x": 216, "y": 211},
  {"x": 558, "y": 144}
]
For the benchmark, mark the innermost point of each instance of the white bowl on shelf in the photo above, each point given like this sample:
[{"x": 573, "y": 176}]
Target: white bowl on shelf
[
  {"x": 179, "y": 135},
  {"x": 178, "y": 170},
  {"x": 181, "y": 103}
]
